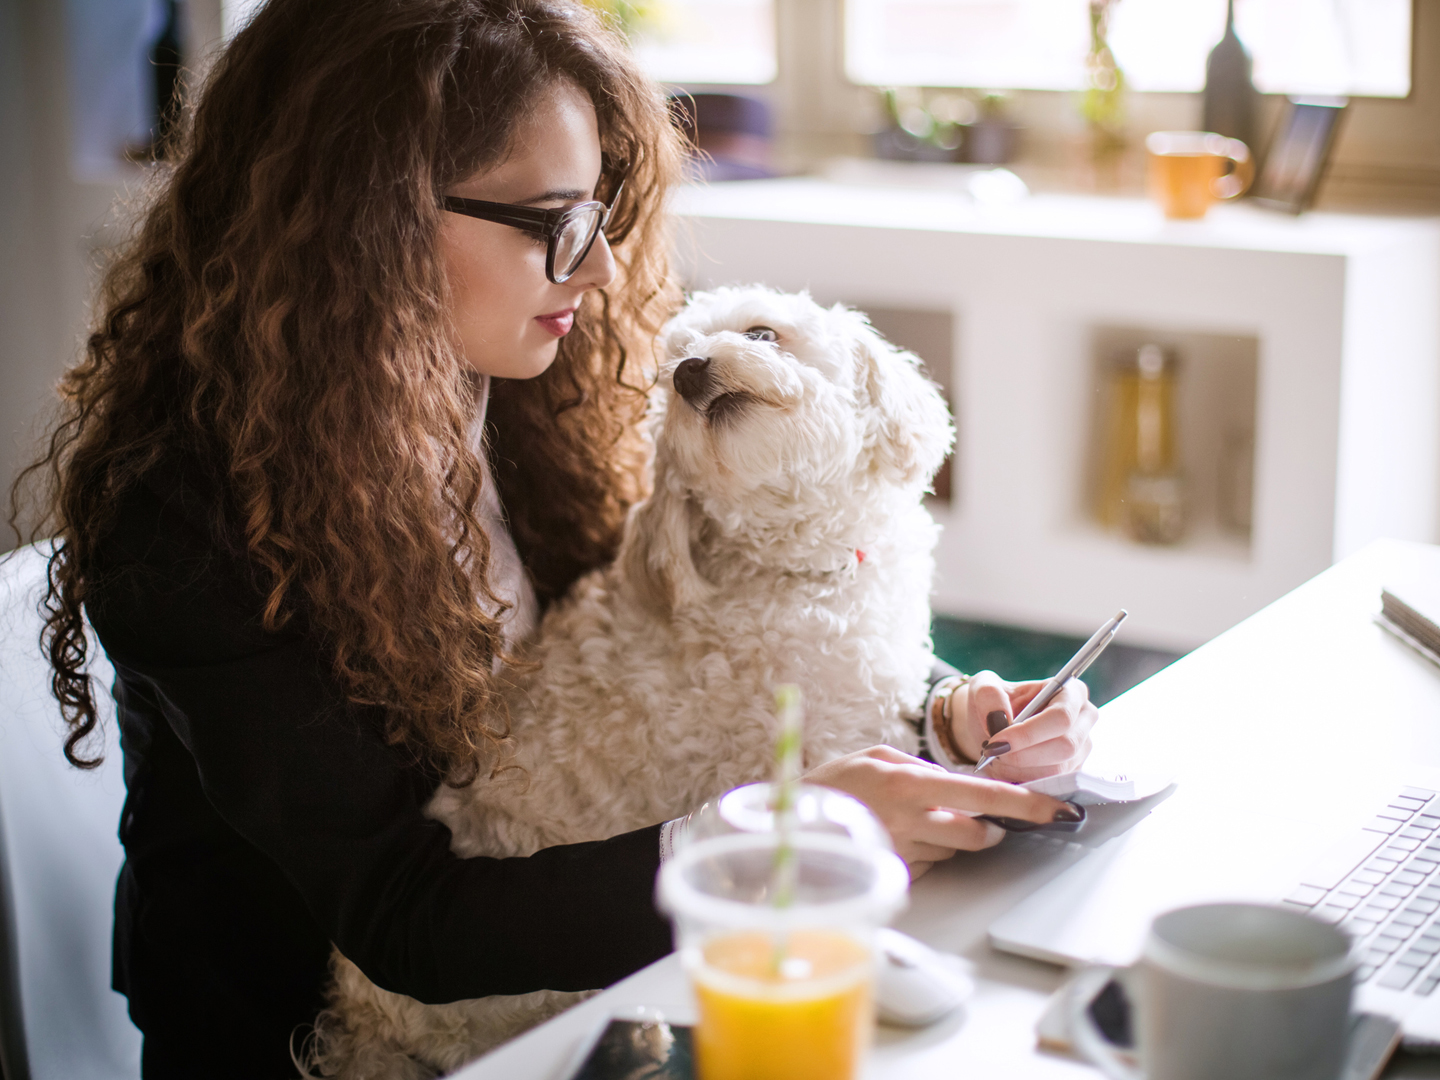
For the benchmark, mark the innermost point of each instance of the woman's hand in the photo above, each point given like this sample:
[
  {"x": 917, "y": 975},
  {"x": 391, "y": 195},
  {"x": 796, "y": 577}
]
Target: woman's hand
[
  {"x": 1055, "y": 740},
  {"x": 929, "y": 811}
]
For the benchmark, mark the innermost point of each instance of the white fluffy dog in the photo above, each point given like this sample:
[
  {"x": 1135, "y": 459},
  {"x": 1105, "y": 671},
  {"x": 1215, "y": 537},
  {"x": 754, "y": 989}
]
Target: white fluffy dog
[{"x": 786, "y": 541}]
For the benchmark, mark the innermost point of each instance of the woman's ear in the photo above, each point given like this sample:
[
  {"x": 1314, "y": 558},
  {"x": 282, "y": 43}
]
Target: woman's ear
[
  {"x": 910, "y": 423},
  {"x": 655, "y": 554}
]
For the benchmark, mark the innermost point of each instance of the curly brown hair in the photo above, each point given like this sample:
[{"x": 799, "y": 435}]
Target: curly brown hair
[{"x": 281, "y": 318}]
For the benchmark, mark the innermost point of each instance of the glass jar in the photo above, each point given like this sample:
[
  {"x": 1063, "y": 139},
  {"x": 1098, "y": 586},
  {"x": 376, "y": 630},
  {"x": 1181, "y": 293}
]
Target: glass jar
[{"x": 1141, "y": 489}]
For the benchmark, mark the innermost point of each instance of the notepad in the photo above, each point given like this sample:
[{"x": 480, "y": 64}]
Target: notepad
[
  {"x": 1411, "y": 611},
  {"x": 1094, "y": 788}
]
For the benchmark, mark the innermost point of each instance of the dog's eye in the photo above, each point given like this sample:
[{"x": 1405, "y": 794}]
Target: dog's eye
[{"x": 762, "y": 333}]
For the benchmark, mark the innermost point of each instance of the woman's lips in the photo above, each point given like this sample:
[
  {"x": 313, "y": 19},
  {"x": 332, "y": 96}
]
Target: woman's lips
[{"x": 557, "y": 322}]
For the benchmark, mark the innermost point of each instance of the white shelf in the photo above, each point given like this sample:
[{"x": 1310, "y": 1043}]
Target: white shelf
[{"x": 1342, "y": 308}]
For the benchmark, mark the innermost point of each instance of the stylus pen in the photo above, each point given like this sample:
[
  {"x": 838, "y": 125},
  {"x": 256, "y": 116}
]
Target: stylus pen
[{"x": 1088, "y": 654}]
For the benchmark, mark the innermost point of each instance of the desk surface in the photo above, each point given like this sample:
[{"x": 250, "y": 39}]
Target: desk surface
[{"x": 1305, "y": 711}]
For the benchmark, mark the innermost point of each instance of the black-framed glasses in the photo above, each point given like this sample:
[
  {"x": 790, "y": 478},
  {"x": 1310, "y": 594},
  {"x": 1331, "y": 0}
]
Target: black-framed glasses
[{"x": 569, "y": 234}]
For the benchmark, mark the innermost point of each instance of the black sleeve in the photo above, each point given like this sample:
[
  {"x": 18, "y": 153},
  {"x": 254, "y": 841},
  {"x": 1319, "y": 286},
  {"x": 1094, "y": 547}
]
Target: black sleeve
[
  {"x": 305, "y": 777},
  {"x": 940, "y": 671}
]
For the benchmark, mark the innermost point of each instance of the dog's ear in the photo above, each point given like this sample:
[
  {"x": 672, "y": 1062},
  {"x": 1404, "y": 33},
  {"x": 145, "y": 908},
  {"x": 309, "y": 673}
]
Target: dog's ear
[
  {"x": 910, "y": 422},
  {"x": 656, "y": 555}
]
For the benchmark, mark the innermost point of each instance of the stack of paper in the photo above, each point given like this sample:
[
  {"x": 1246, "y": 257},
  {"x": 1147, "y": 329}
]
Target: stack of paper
[{"x": 1407, "y": 619}]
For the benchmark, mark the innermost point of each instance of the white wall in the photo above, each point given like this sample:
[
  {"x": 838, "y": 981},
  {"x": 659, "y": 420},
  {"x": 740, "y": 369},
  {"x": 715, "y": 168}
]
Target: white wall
[{"x": 53, "y": 226}]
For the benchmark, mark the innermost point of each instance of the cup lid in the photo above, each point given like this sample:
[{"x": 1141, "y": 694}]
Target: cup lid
[{"x": 726, "y": 881}]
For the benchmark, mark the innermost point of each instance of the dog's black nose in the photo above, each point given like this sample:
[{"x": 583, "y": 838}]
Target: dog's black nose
[{"x": 692, "y": 377}]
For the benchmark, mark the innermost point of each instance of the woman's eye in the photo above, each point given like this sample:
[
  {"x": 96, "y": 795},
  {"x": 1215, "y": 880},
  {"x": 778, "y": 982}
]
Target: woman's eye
[{"x": 762, "y": 333}]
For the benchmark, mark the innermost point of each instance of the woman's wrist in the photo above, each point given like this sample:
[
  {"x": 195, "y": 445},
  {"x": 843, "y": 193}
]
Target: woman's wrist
[{"x": 939, "y": 729}]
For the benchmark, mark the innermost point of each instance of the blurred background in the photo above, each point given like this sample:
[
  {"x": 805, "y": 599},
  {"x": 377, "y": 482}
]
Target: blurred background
[{"x": 1209, "y": 436}]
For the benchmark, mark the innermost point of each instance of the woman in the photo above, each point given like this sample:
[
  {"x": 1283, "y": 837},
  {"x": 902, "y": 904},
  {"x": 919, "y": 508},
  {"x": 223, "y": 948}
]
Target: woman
[{"x": 271, "y": 499}]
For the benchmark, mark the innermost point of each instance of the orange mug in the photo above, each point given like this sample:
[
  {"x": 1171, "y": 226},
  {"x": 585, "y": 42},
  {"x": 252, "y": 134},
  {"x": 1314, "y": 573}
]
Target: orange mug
[{"x": 1190, "y": 169}]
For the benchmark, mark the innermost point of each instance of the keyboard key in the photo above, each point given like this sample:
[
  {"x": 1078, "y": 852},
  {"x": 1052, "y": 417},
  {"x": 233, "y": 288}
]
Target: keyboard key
[
  {"x": 1373, "y": 877},
  {"x": 1408, "y": 918},
  {"x": 1349, "y": 888},
  {"x": 1419, "y": 794},
  {"x": 1433, "y": 848},
  {"x": 1330, "y": 913},
  {"x": 1428, "y": 821},
  {"x": 1422, "y": 862},
  {"x": 1408, "y": 802},
  {"x": 1424, "y": 907},
  {"x": 1364, "y": 972},
  {"x": 1425, "y": 986},
  {"x": 1382, "y": 825},
  {"x": 1427, "y": 945},
  {"x": 1395, "y": 813},
  {"x": 1408, "y": 877},
  {"x": 1399, "y": 847},
  {"x": 1413, "y": 958},
  {"x": 1385, "y": 944},
  {"x": 1306, "y": 896},
  {"x": 1398, "y": 977},
  {"x": 1430, "y": 892},
  {"x": 1394, "y": 889},
  {"x": 1415, "y": 832},
  {"x": 1358, "y": 928},
  {"x": 1335, "y": 866},
  {"x": 1341, "y": 900},
  {"x": 1375, "y": 957}
]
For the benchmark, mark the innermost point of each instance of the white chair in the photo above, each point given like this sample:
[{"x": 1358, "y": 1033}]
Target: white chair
[{"x": 59, "y": 858}]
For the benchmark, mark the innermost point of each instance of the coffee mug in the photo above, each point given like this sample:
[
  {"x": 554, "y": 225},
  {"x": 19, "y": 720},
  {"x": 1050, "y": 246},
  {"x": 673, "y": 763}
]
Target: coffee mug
[
  {"x": 1232, "y": 991},
  {"x": 1190, "y": 169}
]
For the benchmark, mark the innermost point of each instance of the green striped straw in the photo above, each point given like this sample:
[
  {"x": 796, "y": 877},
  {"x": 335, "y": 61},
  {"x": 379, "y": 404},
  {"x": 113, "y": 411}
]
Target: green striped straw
[{"x": 787, "y": 782}]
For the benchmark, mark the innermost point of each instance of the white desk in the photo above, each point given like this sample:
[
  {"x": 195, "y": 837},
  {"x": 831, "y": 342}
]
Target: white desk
[{"x": 1308, "y": 687}]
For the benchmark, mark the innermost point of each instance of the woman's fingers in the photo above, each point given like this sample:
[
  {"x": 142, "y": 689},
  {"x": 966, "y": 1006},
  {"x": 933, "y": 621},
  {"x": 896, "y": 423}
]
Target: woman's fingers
[
  {"x": 1041, "y": 761},
  {"x": 987, "y": 711},
  {"x": 948, "y": 829},
  {"x": 1056, "y": 736},
  {"x": 929, "y": 812},
  {"x": 973, "y": 795}
]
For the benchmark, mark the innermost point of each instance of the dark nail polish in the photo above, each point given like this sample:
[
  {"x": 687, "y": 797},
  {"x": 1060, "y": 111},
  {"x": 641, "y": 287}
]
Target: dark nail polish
[
  {"x": 1069, "y": 812},
  {"x": 1010, "y": 824},
  {"x": 996, "y": 722},
  {"x": 995, "y": 749}
]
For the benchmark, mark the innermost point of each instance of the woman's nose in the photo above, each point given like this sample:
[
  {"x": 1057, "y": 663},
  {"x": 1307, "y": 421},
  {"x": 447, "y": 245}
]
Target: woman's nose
[{"x": 598, "y": 268}]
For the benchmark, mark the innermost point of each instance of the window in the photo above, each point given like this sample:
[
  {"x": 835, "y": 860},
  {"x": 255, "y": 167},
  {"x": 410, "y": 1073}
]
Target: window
[
  {"x": 678, "y": 41},
  {"x": 707, "y": 41},
  {"x": 1355, "y": 47}
]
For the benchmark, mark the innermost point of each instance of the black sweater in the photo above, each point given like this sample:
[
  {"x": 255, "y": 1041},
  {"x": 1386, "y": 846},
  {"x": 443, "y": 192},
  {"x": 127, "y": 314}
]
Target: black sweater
[{"x": 266, "y": 817}]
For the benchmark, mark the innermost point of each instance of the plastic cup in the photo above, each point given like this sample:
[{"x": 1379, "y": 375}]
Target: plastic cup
[
  {"x": 784, "y": 992},
  {"x": 751, "y": 809}
]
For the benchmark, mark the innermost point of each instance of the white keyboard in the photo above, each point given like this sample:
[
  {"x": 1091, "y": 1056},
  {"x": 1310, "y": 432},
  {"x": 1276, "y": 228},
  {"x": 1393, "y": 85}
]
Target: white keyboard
[{"x": 1381, "y": 887}]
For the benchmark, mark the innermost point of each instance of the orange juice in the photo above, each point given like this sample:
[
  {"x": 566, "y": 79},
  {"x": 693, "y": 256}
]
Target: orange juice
[{"x": 809, "y": 1020}]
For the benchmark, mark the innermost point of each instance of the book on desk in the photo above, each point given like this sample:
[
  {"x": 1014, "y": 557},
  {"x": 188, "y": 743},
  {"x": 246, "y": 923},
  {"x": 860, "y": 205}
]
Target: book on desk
[{"x": 1411, "y": 612}]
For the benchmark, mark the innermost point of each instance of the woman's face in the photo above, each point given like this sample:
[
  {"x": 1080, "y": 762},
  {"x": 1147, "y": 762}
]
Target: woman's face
[{"x": 508, "y": 316}]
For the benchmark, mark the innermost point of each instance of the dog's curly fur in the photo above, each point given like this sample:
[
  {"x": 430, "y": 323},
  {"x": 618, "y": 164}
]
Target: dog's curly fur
[{"x": 786, "y": 541}]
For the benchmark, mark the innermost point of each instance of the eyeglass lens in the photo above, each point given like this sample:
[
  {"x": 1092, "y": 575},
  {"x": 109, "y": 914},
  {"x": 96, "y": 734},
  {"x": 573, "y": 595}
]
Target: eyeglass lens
[{"x": 574, "y": 241}]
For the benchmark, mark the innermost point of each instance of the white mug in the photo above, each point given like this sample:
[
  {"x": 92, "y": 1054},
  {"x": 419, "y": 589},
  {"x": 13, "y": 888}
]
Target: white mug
[{"x": 1229, "y": 992}]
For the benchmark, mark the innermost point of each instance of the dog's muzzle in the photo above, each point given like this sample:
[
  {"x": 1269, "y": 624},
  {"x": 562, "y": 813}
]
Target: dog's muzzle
[{"x": 692, "y": 379}]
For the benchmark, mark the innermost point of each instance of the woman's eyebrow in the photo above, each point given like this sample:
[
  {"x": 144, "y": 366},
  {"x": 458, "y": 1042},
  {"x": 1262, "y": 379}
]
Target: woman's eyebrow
[{"x": 556, "y": 195}]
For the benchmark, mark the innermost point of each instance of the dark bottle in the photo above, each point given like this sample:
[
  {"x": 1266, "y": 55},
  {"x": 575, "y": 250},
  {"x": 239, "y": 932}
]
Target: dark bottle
[{"x": 1229, "y": 94}]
